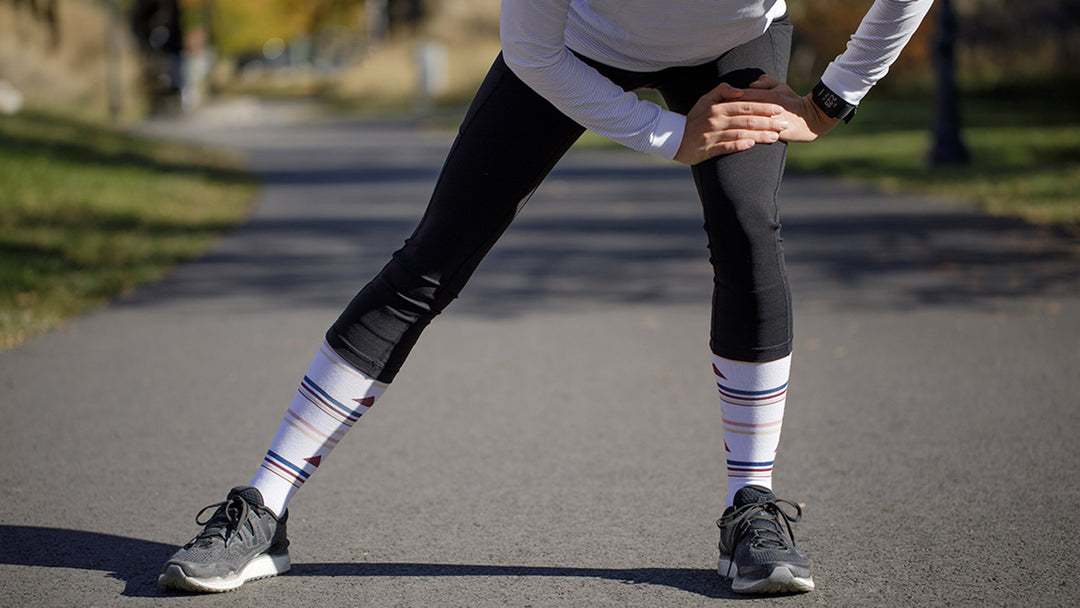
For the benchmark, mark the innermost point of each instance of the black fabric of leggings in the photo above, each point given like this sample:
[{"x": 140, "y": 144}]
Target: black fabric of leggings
[{"x": 508, "y": 142}]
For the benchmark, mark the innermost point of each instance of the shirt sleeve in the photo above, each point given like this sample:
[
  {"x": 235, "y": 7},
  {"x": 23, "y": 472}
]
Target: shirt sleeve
[
  {"x": 533, "y": 41},
  {"x": 883, "y": 33}
]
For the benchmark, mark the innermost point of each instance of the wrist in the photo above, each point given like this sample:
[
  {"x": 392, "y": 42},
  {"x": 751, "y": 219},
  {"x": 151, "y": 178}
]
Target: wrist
[{"x": 819, "y": 115}]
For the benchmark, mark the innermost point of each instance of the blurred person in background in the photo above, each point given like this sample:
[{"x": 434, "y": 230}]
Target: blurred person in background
[{"x": 568, "y": 66}]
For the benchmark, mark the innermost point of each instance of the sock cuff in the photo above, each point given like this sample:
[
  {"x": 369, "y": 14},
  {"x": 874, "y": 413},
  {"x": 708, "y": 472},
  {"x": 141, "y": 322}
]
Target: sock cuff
[
  {"x": 328, "y": 369},
  {"x": 771, "y": 375}
]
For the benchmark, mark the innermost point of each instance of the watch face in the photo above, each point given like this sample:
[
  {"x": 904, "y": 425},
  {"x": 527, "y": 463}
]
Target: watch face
[{"x": 831, "y": 103}]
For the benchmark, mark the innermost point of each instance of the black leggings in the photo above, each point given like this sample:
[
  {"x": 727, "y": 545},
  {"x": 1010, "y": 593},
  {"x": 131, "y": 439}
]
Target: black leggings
[{"x": 508, "y": 142}]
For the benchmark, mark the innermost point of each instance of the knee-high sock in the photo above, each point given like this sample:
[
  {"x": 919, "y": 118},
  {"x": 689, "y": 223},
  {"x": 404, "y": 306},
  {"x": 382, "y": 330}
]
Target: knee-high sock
[
  {"x": 752, "y": 397},
  {"x": 332, "y": 396}
]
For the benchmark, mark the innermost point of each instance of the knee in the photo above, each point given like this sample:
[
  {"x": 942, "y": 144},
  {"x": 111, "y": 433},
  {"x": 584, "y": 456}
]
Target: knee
[
  {"x": 410, "y": 283},
  {"x": 747, "y": 242},
  {"x": 742, "y": 218}
]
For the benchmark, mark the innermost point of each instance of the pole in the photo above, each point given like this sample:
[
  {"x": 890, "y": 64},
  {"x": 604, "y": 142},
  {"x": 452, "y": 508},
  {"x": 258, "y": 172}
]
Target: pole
[{"x": 949, "y": 148}]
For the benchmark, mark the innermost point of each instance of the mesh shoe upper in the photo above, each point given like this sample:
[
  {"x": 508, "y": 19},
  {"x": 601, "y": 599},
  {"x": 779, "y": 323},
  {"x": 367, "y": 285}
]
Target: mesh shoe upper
[
  {"x": 239, "y": 529},
  {"x": 756, "y": 534}
]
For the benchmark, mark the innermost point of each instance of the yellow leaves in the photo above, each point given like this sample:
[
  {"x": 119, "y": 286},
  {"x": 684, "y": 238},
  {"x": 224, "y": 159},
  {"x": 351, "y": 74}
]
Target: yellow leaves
[{"x": 240, "y": 26}]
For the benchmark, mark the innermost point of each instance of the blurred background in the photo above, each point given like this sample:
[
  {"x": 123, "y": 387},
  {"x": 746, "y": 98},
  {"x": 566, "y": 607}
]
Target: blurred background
[
  {"x": 127, "y": 58},
  {"x": 979, "y": 107}
]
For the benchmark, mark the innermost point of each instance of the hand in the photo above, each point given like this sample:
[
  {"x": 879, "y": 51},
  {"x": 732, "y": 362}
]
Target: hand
[
  {"x": 721, "y": 123},
  {"x": 806, "y": 121}
]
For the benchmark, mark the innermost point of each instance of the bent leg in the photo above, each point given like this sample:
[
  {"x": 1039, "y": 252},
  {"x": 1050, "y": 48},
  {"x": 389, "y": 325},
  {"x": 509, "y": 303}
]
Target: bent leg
[
  {"x": 509, "y": 141},
  {"x": 751, "y": 315},
  {"x": 751, "y": 311},
  {"x": 751, "y": 331}
]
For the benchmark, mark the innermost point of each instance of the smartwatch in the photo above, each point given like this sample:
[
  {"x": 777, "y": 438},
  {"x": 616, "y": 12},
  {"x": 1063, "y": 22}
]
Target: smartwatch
[{"x": 832, "y": 104}]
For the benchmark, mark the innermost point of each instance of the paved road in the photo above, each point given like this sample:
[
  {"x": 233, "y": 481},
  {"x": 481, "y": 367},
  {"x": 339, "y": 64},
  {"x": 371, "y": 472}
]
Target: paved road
[{"x": 555, "y": 440}]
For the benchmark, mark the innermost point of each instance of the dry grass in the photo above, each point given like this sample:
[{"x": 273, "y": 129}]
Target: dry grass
[
  {"x": 388, "y": 78},
  {"x": 70, "y": 74}
]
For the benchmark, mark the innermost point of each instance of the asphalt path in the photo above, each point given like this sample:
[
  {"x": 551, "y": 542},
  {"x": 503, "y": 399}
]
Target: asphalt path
[{"x": 555, "y": 439}]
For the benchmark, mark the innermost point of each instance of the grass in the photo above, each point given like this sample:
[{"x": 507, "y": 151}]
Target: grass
[
  {"x": 1024, "y": 155},
  {"x": 1024, "y": 152},
  {"x": 87, "y": 213}
]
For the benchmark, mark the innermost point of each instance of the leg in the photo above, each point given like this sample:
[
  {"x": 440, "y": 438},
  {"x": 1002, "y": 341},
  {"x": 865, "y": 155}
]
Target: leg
[
  {"x": 509, "y": 141},
  {"x": 751, "y": 318},
  {"x": 751, "y": 324},
  {"x": 488, "y": 175}
]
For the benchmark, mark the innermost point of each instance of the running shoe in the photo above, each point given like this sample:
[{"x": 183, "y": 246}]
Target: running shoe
[
  {"x": 242, "y": 541},
  {"x": 757, "y": 549}
]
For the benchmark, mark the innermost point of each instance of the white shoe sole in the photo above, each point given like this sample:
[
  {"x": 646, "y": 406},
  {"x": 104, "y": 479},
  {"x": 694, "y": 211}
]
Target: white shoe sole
[
  {"x": 780, "y": 580},
  {"x": 263, "y": 566}
]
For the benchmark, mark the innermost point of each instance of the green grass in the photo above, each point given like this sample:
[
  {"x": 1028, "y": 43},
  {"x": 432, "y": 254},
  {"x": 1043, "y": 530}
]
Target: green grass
[
  {"x": 87, "y": 213},
  {"x": 1024, "y": 151},
  {"x": 1024, "y": 155}
]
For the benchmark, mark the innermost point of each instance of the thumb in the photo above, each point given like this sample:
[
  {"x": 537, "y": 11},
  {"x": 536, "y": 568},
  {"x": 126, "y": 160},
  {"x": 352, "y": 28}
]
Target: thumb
[
  {"x": 723, "y": 92},
  {"x": 765, "y": 82}
]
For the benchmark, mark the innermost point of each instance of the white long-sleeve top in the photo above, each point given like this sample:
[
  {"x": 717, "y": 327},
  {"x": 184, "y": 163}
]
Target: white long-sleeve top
[{"x": 648, "y": 35}]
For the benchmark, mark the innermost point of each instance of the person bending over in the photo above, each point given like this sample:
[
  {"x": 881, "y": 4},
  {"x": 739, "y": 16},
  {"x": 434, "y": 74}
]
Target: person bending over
[{"x": 567, "y": 66}]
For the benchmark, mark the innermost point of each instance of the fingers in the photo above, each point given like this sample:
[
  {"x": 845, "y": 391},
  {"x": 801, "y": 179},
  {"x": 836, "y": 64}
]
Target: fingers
[
  {"x": 734, "y": 109},
  {"x": 758, "y": 123},
  {"x": 723, "y": 92},
  {"x": 748, "y": 135},
  {"x": 781, "y": 95},
  {"x": 750, "y": 122},
  {"x": 726, "y": 92},
  {"x": 725, "y": 121},
  {"x": 740, "y": 140},
  {"x": 738, "y": 133},
  {"x": 765, "y": 82},
  {"x": 730, "y": 147}
]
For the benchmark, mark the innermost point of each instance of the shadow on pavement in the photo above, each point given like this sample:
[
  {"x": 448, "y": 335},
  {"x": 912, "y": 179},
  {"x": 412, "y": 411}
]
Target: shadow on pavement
[
  {"x": 136, "y": 562},
  {"x": 131, "y": 560},
  {"x": 922, "y": 258},
  {"x": 692, "y": 580},
  {"x": 603, "y": 230}
]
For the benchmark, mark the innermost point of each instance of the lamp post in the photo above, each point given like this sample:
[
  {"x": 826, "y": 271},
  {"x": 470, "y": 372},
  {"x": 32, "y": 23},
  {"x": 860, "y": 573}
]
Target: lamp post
[{"x": 948, "y": 148}]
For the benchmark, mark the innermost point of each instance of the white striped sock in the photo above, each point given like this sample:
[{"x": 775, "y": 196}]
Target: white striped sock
[
  {"x": 752, "y": 397},
  {"x": 331, "y": 398}
]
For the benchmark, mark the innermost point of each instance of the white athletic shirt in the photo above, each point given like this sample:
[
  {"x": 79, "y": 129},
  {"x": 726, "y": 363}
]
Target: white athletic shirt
[{"x": 649, "y": 35}]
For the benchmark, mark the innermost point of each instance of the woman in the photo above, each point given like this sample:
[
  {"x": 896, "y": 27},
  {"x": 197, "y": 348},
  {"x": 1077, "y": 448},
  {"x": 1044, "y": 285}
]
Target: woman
[{"x": 567, "y": 66}]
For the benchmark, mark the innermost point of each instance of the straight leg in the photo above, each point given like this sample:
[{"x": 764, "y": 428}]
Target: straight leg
[{"x": 509, "y": 141}]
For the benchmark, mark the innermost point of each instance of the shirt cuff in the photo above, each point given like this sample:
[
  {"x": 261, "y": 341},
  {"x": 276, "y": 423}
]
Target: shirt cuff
[
  {"x": 850, "y": 87},
  {"x": 666, "y": 138}
]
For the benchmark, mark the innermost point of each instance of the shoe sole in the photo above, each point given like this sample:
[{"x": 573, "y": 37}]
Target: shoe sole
[
  {"x": 263, "y": 566},
  {"x": 780, "y": 580}
]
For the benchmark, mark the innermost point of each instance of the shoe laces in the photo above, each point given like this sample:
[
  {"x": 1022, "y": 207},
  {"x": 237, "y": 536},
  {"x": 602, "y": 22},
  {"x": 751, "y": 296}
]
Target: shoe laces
[
  {"x": 229, "y": 517},
  {"x": 761, "y": 522}
]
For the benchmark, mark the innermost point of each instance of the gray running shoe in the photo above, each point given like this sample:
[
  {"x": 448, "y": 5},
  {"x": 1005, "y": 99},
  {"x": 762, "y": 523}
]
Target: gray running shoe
[
  {"x": 242, "y": 541},
  {"x": 757, "y": 549}
]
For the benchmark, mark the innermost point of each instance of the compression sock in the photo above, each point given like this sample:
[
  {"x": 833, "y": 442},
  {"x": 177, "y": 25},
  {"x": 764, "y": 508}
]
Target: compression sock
[
  {"x": 752, "y": 397},
  {"x": 331, "y": 398}
]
